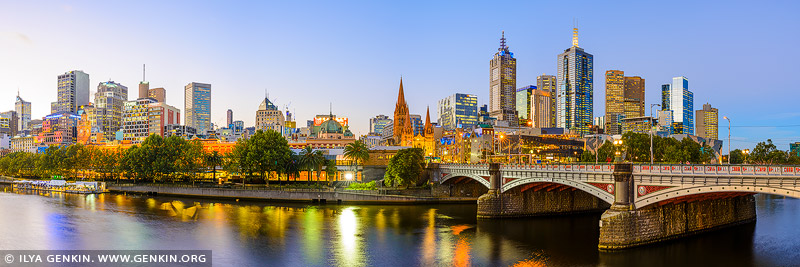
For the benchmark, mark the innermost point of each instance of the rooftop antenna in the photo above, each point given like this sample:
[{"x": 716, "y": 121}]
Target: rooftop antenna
[
  {"x": 575, "y": 33},
  {"x": 502, "y": 41},
  {"x": 143, "y": 73}
]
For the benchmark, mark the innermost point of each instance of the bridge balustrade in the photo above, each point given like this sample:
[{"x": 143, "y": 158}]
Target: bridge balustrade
[{"x": 724, "y": 170}]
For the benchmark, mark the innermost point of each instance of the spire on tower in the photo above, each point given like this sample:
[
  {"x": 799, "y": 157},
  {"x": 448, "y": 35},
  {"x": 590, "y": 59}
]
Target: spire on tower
[
  {"x": 575, "y": 37},
  {"x": 502, "y": 41},
  {"x": 143, "y": 73}
]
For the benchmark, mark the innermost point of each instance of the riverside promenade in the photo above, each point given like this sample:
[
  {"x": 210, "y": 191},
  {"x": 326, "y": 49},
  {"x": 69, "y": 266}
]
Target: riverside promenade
[{"x": 287, "y": 195}]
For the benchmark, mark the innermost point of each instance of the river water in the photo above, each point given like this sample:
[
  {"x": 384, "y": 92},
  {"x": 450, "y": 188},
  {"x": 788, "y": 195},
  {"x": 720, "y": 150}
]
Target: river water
[{"x": 261, "y": 234}]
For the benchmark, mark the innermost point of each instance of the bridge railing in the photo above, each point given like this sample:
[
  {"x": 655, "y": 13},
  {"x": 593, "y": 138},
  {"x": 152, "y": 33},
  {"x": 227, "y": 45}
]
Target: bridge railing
[{"x": 725, "y": 170}]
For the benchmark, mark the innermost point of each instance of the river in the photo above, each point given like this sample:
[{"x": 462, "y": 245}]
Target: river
[{"x": 269, "y": 234}]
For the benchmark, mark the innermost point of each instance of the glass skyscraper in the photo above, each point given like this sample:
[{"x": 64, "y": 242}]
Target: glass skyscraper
[
  {"x": 575, "y": 88},
  {"x": 458, "y": 111},
  {"x": 524, "y": 102},
  {"x": 197, "y": 106},
  {"x": 73, "y": 91},
  {"x": 109, "y": 103},
  {"x": 377, "y": 123},
  {"x": 677, "y": 97}
]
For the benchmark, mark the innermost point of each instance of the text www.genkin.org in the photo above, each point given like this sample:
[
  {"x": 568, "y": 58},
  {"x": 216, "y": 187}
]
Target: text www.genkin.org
[{"x": 106, "y": 257}]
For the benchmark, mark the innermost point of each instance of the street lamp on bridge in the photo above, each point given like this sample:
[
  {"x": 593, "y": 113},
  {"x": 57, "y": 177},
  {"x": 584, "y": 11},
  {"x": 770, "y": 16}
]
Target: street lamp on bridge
[{"x": 729, "y": 139}]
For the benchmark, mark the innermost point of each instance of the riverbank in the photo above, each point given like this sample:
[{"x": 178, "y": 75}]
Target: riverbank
[{"x": 314, "y": 196}]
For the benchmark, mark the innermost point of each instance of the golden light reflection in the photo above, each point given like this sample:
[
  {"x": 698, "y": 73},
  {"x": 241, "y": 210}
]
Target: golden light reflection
[
  {"x": 461, "y": 255},
  {"x": 151, "y": 203},
  {"x": 429, "y": 240},
  {"x": 457, "y": 229},
  {"x": 348, "y": 248},
  {"x": 312, "y": 236}
]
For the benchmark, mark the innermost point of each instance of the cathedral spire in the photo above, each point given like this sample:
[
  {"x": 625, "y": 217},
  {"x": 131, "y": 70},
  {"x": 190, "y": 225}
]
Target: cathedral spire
[
  {"x": 401, "y": 97},
  {"x": 428, "y": 125}
]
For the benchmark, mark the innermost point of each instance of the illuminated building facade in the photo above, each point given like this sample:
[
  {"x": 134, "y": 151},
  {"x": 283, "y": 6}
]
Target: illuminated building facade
[
  {"x": 136, "y": 119},
  {"x": 502, "y": 84},
  {"x": 403, "y": 130},
  {"x": 23, "y": 144},
  {"x": 634, "y": 97},
  {"x": 23, "y": 109},
  {"x": 524, "y": 103},
  {"x": 615, "y": 106},
  {"x": 678, "y": 99},
  {"x": 108, "y": 108},
  {"x": 708, "y": 122},
  {"x": 425, "y": 139},
  {"x": 636, "y": 125},
  {"x": 197, "y": 106},
  {"x": 73, "y": 91},
  {"x": 160, "y": 115},
  {"x": 59, "y": 129},
  {"x": 268, "y": 117},
  {"x": 539, "y": 116},
  {"x": 575, "y": 88},
  {"x": 8, "y": 123},
  {"x": 458, "y": 111},
  {"x": 548, "y": 84}
]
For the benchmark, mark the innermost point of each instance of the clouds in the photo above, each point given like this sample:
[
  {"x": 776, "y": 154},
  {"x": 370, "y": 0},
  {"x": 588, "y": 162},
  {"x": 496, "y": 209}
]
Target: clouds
[{"x": 16, "y": 38}]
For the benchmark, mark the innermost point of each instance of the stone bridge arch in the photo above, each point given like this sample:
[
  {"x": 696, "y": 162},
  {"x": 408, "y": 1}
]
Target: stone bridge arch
[
  {"x": 605, "y": 195},
  {"x": 644, "y": 198},
  {"x": 479, "y": 179}
]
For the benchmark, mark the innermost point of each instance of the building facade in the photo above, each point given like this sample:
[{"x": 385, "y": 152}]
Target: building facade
[
  {"x": 197, "y": 106},
  {"x": 678, "y": 99},
  {"x": 549, "y": 84},
  {"x": 160, "y": 115},
  {"x": 539, "y": 116},
  {"x": 23, "y": 109},
  {"x": 58, "y": 129},
  {"x": 624, "y": 99},
  {"x": 159, "y": 94},
  {"x": 502, "y": 85},
  {"x": 108, "y": 108},
  {"x": 229, "y": 118},
  {"x": 403, "y": 130},
  {"x": 268, "y": 117},
  {"x": 136, "y": 119},
  {"x": 73, "y": 91},
  {"x": 377, "y": 123},
  {"x": 575, "y": 78},
  {"x": 458, "y": 111},
  {"x": 523, "y": 104},
  {"x": 707, "y": 122}
]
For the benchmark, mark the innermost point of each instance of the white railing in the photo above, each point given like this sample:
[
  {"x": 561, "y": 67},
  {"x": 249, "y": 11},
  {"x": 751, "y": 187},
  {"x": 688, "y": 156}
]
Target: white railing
[{"x": 722, "y": 170}]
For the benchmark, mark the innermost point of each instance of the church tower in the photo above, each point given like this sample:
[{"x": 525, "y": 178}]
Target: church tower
[{"x": 403, "y": 130}]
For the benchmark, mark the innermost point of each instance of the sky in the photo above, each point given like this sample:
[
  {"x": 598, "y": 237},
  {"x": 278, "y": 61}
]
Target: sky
[{"x": 310, "y": 55}]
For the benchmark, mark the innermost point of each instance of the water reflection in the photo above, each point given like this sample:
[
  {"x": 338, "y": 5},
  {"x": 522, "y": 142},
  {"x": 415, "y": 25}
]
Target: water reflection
[{"x": 258, "y": 234}]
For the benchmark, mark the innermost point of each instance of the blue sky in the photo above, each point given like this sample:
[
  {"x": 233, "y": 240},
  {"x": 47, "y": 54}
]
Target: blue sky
[{"x": 737, "y": 55}]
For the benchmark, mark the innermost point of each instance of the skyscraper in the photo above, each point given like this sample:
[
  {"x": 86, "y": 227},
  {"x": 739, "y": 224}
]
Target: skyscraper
[
  {"x": 523, "y": 104},
  {"x": 229, "y": 117},
  {"x": 575, "y": 88},
  {"x": 708, "y": 122},
  {"x": 268, "y": 117},
  {"x": 458, "y": 111},
  {"x": 197, "y": 107},
  {"x": 539, "y": 115},
  {"x": 615, "y": 97},
  {"x": 678, "y": 99},
  {"x": 109, "y": 102},
  {"x": 73, "y": 91},
  {"x": 502, "y": 84},
  {"x": 144, "y": 86},
  {"x": 159, "y": 94},
  {"x": 548, "y": 84},
  {"x": 23, "y": 109},
  {"x": 634, "y": 97}
]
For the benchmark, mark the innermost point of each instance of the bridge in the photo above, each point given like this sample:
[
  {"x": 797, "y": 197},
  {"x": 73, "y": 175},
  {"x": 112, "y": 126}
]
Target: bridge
[{"x": 643, "y": 203}]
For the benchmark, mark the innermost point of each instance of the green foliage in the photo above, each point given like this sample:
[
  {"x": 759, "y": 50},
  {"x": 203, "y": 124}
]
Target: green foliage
[
  {"x": 262, "y": 153},
  {"x": 405, "y": 168},
  {"x": 330, "y": 169},
  {"x": 311, "y": 160},
  {"x": 768, "y": 153},
  {"x": 357, "y": 152},
  {"x": 665, "y": 150},
  {"x": 362, "y": 186},
  {"x": 737, "y": 156}
]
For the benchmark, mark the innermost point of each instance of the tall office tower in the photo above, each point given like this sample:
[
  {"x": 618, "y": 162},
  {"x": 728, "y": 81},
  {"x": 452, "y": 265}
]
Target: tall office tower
[
  {"x": 109, "y": 102},
  {"x": 144, "y": 86},
  {"x": 548, "y": 83},
  {"x": 160, "y": 115},
  {"x": 575, "y": 88},
  {"x": 23, "y": 109},
  {"x": 523, "y": 104},
  {"x": 708, "y": 122},
  {"x": 417, "y": 125},
  {"x": 229, "y": 117},
  {"x": 159, "y": 94},
  {"x": 376, "y": 124},
  {"x": 136, "y": 119},
  {"x": 8, "y": 123},
  {"x": 73, "y": 91},
  {"x": 615, "y": 105},
  {"x": 634, "y": 97},
  {"x": 458, "y": 111},
  {"x": 502, "y": 83},
  {"x": 677, "y": 97},
  {"x": 665, "y": 121},
  {"x": 539, "y": 115},
  {"x": 268, "y": 117},
  {"x": 197, "y": 107}
]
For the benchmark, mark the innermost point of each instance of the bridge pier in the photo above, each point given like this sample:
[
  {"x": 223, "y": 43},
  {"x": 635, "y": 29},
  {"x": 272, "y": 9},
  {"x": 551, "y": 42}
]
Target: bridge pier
[{"x": 624, "y": 226}]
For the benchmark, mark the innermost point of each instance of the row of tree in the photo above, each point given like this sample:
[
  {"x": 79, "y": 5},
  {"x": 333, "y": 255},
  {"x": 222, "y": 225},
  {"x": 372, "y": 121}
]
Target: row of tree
[
  {"x": 764, "y": 153},
  {"x": 265, "y": 155}
]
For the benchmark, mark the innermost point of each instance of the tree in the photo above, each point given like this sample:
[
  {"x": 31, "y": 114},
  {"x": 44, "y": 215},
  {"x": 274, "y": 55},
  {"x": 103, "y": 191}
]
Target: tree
[
  {"x": 311, "y": 160},
  {"x": 763, "y": 153},
  {"x": 330, "y": 169},
  {"x": 405, "y": 167},
  {"x": 213, "y": 160},
  {"x": 268, "y": 152},
  {"x": 736, "y": 156},
  {"x": 356, "y": 151}
]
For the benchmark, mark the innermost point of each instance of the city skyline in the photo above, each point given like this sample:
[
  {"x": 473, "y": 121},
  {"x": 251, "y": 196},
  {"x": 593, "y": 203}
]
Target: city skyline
[{"x": 32, "y": 64}]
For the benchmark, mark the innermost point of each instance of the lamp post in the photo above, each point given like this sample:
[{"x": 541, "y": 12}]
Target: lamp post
[
  {"x": 729, "y": 139},
  {"x": 651, "y": 131},
  {"x": 617, "y": 152},
  {"x": 746, "y": 152}
]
